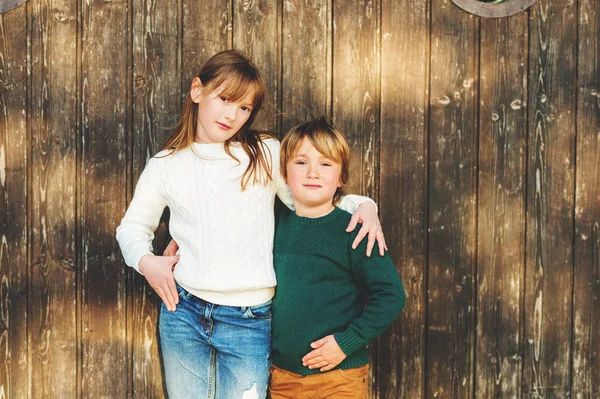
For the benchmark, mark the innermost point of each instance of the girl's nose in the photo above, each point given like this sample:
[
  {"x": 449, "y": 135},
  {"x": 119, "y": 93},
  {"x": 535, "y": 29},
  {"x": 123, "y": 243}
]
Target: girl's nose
[{"x": 230, "y": 113}]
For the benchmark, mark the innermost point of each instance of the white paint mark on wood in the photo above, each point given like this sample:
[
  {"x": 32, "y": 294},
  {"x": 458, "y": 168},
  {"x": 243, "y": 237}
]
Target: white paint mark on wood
[{"x": 2, "y": 166}]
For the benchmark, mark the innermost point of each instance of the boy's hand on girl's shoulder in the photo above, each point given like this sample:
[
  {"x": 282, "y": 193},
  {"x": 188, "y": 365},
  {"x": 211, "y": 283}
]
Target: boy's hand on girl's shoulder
[
  {"x": 158, "y": 271},
  {"x": 326, "y": 354},
  {"x": 366, "y": 213}
]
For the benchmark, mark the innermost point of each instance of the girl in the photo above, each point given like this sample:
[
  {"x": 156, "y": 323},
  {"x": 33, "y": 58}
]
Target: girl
[{"x": 219, "y": 179}]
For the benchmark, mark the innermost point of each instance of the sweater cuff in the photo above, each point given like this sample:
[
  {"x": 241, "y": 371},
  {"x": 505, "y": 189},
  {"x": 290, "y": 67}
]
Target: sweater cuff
[
  {"x": 348, "y": 342},
  {"x": 136, "y": 260}
]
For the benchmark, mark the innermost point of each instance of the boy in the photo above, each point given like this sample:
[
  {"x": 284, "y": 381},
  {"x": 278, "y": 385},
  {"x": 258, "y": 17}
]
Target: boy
[{"x": 321, "y": 326}]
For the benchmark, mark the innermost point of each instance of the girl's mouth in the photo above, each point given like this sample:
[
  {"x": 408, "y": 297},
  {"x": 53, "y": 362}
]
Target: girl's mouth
[{"x": 224, "y": 126}]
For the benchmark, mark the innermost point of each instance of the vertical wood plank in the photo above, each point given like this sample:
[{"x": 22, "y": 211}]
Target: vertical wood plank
[
  {"x": 586, "y": 305},
  {"x": 403, "y": 199},
  {"x": 501, "y": 206},
  {"x": 13, "y": 204},
  {"x": 156, "y": 87},
  {"x": 550, "y": 199},
  {"x": 257, "y": 32},
  {"x": 207, "y": 29},
  {"x": 306, "y": 54},
  {"x": 452, "y": 205},
  {"x": 104, "y": 99},
  {"x": 356, "y": 98},
  {"x": 52, "y": 295}
]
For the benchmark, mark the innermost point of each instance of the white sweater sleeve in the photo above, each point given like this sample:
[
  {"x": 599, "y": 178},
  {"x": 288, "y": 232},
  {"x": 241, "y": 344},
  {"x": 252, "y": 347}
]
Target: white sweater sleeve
[
  {"x": 348, "y": 202},
  {"x": 136, "y": 232}
]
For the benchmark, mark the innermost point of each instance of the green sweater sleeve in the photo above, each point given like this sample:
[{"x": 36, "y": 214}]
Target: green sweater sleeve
[{"x": 376, "y": 275}]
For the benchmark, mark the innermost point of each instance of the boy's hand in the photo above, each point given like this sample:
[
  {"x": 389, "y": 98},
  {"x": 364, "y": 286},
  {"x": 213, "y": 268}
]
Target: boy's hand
[
  {"x": 158, "y": 270},
  {"x": 326, "y": 354},
  {"x": 171, "y": 249},
  {"x": 366, "y": 213}
]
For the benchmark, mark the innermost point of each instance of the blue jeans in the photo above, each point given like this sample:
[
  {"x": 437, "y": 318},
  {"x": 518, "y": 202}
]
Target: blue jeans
[{"x": 214, "y": 351}]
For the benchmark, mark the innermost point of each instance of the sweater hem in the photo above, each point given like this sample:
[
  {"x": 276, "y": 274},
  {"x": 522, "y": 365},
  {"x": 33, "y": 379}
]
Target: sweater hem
[
  {"x": 233, "y": 298},
  {"x": 294, "y": 364}
]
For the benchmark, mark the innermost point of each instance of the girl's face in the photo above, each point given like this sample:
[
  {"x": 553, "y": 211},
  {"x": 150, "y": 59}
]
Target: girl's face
[
  {"x": 313, "y": 178},
  {"x": 218, "y": 118}
]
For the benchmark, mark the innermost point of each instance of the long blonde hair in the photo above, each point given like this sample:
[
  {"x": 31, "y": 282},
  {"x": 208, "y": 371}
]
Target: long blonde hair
[{"x": 233, "y": 71}]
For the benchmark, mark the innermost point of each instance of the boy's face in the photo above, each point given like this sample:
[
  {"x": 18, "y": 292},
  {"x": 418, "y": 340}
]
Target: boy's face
[{"x": 313, "y": 178}]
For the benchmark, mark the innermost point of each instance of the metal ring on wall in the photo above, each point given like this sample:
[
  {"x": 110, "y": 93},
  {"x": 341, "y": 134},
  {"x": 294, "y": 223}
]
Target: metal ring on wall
[
  {"x": 494, "y": 8},
  {"x": 7, "y": 5}
]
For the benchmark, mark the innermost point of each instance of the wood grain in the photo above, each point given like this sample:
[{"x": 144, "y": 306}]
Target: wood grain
[
  {"x": 156, "y": 106},
  {"x": 52, "y": 312},
  {"x": 306, "y": 54},
  {"x": 257, "y": 32},
  {"x": 403, "y": 188},
  {"x": 13, "y": 204},
  {"x": 104, "y": 95},
  {"x": 550, "y": 199},
  {"x": 452, "y": 202},
  {"x": 501, "y": 206},
  {"x": 586, "y": 303}
]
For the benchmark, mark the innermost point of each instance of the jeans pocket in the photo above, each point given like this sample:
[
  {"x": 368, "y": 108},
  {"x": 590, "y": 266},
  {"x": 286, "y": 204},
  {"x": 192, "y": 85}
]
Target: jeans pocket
[{"x": 262, "y": 311}]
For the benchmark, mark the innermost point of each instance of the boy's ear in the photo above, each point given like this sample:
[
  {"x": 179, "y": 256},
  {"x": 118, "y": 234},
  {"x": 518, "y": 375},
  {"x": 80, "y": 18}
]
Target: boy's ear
[{"x": 196, "y": 90}]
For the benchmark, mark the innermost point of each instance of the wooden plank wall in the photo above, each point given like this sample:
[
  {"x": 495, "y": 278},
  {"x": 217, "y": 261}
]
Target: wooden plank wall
[{"x": 478, "y": 138}]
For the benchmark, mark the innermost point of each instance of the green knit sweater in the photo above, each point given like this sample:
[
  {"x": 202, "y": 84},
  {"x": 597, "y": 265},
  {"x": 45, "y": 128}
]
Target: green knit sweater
[{"x": 320, "y": 282}]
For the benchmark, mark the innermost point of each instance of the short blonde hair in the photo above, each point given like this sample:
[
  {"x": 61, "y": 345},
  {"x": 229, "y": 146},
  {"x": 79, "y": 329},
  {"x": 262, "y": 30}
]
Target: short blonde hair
[{"x": 326, "y": 139}]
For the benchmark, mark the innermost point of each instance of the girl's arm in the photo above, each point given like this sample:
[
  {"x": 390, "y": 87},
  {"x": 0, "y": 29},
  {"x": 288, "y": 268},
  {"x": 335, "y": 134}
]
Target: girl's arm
[
  {"x": 136, "y": 232},
  {"x": 363, "y": 209}
]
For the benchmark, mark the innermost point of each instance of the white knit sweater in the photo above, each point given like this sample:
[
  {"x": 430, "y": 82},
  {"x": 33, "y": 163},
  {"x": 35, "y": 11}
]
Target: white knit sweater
[{"x": 225, "y": 235}]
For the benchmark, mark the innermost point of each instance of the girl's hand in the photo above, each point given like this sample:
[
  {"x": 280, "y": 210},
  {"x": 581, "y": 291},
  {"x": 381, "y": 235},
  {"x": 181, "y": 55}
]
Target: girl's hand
[
  {"x": 367, "y": 215},
  {"x": 171, "y": 249},
  {"x": 326, "y": 354},
  {"x": 158, "y": 270}
]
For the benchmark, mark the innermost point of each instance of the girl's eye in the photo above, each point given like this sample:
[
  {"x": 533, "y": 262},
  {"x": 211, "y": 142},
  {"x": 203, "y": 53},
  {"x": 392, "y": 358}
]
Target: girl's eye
[
  {"x": 246, "y": 109},
  {"x": 224, "y": 99}
]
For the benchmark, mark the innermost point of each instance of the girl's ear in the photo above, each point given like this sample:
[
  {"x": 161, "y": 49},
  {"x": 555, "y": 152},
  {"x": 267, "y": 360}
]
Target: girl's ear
[{"x": 196, "y": 90}]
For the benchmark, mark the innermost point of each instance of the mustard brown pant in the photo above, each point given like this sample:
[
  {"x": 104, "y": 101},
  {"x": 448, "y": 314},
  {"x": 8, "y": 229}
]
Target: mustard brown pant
[{"x": 335, "y": 384}]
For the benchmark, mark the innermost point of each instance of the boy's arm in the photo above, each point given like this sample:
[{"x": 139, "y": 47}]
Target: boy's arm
[
  {"x": 136, "y": 231},
  {"x": 377, "y": 275}
]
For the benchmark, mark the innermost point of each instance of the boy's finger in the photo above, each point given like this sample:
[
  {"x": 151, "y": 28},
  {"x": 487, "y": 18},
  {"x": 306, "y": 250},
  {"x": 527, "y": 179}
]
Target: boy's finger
[
  {"x": 318, "y": 343},
  {"x": 361, "y": 234},
  {"x": 353, "y": 223},
  {"x": 327, "y": 368}
]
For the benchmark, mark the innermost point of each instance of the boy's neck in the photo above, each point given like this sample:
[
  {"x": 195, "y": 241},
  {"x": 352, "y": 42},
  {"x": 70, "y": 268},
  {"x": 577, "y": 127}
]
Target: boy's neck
[{"x": 313, "y": 211}]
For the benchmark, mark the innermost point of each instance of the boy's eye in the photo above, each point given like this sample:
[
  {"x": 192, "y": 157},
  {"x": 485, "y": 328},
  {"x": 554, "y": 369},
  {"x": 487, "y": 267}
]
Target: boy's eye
[
  {"x": 300, "y": 162},
  {"x": 325, "y": 164}
]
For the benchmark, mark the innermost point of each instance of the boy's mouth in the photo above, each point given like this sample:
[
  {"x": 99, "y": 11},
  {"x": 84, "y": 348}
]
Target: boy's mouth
[
  {"x": 224, "y": 126},
  {"x": 312, "y": 185}
]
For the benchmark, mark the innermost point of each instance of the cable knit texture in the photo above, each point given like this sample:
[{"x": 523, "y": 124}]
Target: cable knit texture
[{"x": 225, "y": 235}]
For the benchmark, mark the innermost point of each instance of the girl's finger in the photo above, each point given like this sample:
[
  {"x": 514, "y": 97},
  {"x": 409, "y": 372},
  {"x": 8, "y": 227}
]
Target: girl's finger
[
  {"x": 353, "y": 222},
  {"x": 371, "y": 242},
  {"x": 361, "y": 234},
  {"x": 381, "y": 243},
  {"x": 165, "y": 299}
]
